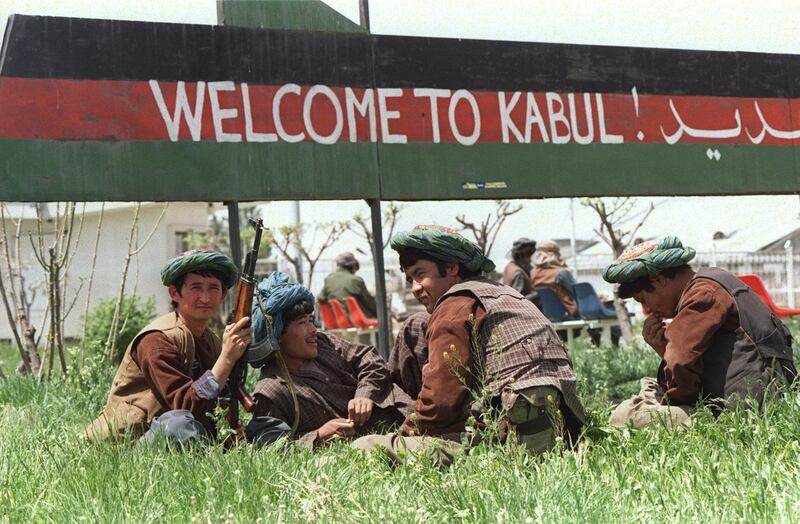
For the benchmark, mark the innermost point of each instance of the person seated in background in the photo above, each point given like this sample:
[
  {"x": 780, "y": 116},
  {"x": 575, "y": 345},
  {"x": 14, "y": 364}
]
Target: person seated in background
[
  {"x": 323, "y": 386},
  {"x": 550, "y": 271},
  {"x": 488, "y": 348},
  {"x": 723, "y": 346},
  {"x": 517, "y": 273},
  {"x": 344, "y": 283},
  {"x": 171, "y": 374},
  {"x": 410, "y": 353}
]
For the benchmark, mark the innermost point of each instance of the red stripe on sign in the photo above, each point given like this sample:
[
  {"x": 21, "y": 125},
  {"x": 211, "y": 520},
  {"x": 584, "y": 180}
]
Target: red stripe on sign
[{"x": 110, "y": 110}]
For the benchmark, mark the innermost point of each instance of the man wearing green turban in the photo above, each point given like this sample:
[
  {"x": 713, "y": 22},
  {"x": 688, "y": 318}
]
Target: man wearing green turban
[
  {"x": 172, "y": 371},
  {"x": 492, "y": 356},
  {"x": 709, "y": 350}
]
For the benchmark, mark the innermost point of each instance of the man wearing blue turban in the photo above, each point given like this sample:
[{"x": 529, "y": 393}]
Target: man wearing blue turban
[
  {"x": 172, "y": 371},
  {"x": 322, "y": 385},
  {"x": 723, "y": 347}
]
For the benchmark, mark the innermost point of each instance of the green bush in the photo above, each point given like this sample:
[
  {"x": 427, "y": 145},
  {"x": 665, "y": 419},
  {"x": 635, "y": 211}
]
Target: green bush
[{"x": 137, "y": 311}]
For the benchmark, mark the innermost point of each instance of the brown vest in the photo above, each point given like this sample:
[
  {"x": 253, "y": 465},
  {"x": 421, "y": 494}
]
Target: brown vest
[
  {"x": 520, "y": 346},
  {"x": 131, "y": 405},
  {"x": 748, "y": 362},
  {"x": 546, "y": 277},
  {"x": 508, "y": 274}
]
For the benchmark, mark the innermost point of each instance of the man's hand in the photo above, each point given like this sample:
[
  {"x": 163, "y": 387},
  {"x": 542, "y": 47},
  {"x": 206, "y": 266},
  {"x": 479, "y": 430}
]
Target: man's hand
[
  {"x": 359, "y": 410},
  {"x": 336, "y": 427},
  {"x": 235, "y": 339},
  {"x": 653, "y": 333}
]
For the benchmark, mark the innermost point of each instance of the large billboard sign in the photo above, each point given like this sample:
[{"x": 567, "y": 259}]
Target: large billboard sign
[{"x": 111, "y": 110}]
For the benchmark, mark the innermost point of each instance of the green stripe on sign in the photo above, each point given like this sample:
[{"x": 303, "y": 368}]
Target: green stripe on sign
[
  {"x": 35, "y": 170},
  {"x": 452, "y": 171}
]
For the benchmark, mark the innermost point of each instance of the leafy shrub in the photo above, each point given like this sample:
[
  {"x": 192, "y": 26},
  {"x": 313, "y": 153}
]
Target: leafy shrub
[{"x": 135, "y": 314}]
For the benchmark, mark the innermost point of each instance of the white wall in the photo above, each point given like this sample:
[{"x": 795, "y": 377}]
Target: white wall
[{"x": 144, "y": 271}]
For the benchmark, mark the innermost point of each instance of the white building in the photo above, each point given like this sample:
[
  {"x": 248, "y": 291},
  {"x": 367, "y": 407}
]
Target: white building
[
  {"x": 743, "y": 234},
  {"x": 168, "y": 238}
]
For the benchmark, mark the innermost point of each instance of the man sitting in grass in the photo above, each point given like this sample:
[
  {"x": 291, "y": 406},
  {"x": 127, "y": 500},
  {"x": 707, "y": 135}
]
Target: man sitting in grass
[
  {"x": 488, "y": 349},
  {"x": 172, "y": 371},
  {"x": 723, "y": 345},
  {"x": 325, "y": 387}
]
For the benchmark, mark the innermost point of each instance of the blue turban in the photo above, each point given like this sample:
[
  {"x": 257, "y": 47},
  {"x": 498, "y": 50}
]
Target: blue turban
[{"x": 276, "y": 294}]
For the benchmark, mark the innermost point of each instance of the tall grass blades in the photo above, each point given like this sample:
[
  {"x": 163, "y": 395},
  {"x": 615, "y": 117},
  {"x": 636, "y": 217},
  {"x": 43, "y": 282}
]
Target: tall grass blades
[{"x": 742, "y": 467}]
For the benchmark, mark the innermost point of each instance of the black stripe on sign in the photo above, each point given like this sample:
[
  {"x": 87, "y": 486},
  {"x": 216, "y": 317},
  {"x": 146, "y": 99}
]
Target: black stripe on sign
[
  {"x": 522, "y": 66},
  {"x": 79, "y": 48},
  {"x": 49, "y": 47}
]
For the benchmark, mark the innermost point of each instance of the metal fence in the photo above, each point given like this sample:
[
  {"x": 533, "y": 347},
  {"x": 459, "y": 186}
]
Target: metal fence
[{"x": 778, "y": 270}]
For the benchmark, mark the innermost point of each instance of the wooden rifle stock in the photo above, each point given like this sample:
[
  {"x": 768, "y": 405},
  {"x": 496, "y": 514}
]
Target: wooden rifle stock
[{"x": 244, "y": 307}]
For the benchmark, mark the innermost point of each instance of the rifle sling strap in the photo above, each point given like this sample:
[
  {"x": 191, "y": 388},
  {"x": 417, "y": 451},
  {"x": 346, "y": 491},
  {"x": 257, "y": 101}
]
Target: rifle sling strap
[{"x": 288, "y": 377}]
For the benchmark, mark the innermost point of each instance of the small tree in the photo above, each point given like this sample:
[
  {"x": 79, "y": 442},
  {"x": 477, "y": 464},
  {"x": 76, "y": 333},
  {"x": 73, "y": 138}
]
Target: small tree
[
  {"x": 55, "y": 259},
  {"x": 18, "y": 294},
  {"x": 361, "y": 225},
  {"x": 90, "y": 281},
  {"x": 486, "y": 232},
  {"x": 614, "y": 216},
  {"x": 117, "y": 322},
  {"x": 296, "y": 237}
]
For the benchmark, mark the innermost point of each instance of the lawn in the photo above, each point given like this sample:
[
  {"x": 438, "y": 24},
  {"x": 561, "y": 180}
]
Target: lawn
[{"x": 741, "y": 467}]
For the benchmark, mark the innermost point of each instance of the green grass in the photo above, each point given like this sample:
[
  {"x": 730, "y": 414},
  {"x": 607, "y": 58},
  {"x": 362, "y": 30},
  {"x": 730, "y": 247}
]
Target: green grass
[{"x": 741, "y": 467}]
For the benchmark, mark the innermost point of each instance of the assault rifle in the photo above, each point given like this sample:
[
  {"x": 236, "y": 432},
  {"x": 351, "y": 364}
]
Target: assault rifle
[{"x": 255, "y": 354}]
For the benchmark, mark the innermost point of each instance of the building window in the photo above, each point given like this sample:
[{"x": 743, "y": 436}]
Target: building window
[{"x": 190, "y": 239}]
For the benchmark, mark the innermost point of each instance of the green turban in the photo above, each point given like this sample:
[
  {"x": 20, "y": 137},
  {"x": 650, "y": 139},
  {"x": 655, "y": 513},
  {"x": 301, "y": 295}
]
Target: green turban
[
  {"x": 200, "y": 260},
  {"x": 444, "y": 244},
  {"x": 648, "y": 258}
]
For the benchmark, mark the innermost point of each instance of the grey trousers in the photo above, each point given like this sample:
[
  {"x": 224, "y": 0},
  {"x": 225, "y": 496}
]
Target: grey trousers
[
  {"x": 646, "y": 409},
  {"x": 179, "y": 427}
]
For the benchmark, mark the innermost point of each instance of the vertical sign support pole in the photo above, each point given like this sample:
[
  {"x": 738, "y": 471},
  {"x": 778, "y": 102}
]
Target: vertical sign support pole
[
  {"x": 297, "y": 252},
  {"x": 572, "y": 243},
  {"x": 234, "y": 236},
  {"x": 384, "y": 320},
  {"x": 787, "y": 246}
]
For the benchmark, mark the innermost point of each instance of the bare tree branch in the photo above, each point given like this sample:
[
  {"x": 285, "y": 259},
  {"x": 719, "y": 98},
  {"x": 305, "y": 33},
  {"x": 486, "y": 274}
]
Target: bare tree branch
[
  {"x": 91, "y": 280},
  {"x": 152, "y": 231},
  {"x": 641, "y": 223},
  {"x": 618, "y": 239},
  {"x": 486, "y": 232}
]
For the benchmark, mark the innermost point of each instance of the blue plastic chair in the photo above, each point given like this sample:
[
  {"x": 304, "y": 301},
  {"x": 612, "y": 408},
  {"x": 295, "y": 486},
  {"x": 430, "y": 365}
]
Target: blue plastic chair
[
  {"x": 589, "y": 306},
  {"x": 552, "y": 306}
]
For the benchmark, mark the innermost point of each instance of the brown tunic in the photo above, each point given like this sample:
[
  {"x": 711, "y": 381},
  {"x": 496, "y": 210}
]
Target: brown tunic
[
  {"x": 704, "y": 309},
  {"x": 324, "y": 386},
  {"x": 132, "y": 403},
  {"x": 517, "y": 344},
  {"x": 546, "y": 277},
  {"x": 170, "y": 380}
]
